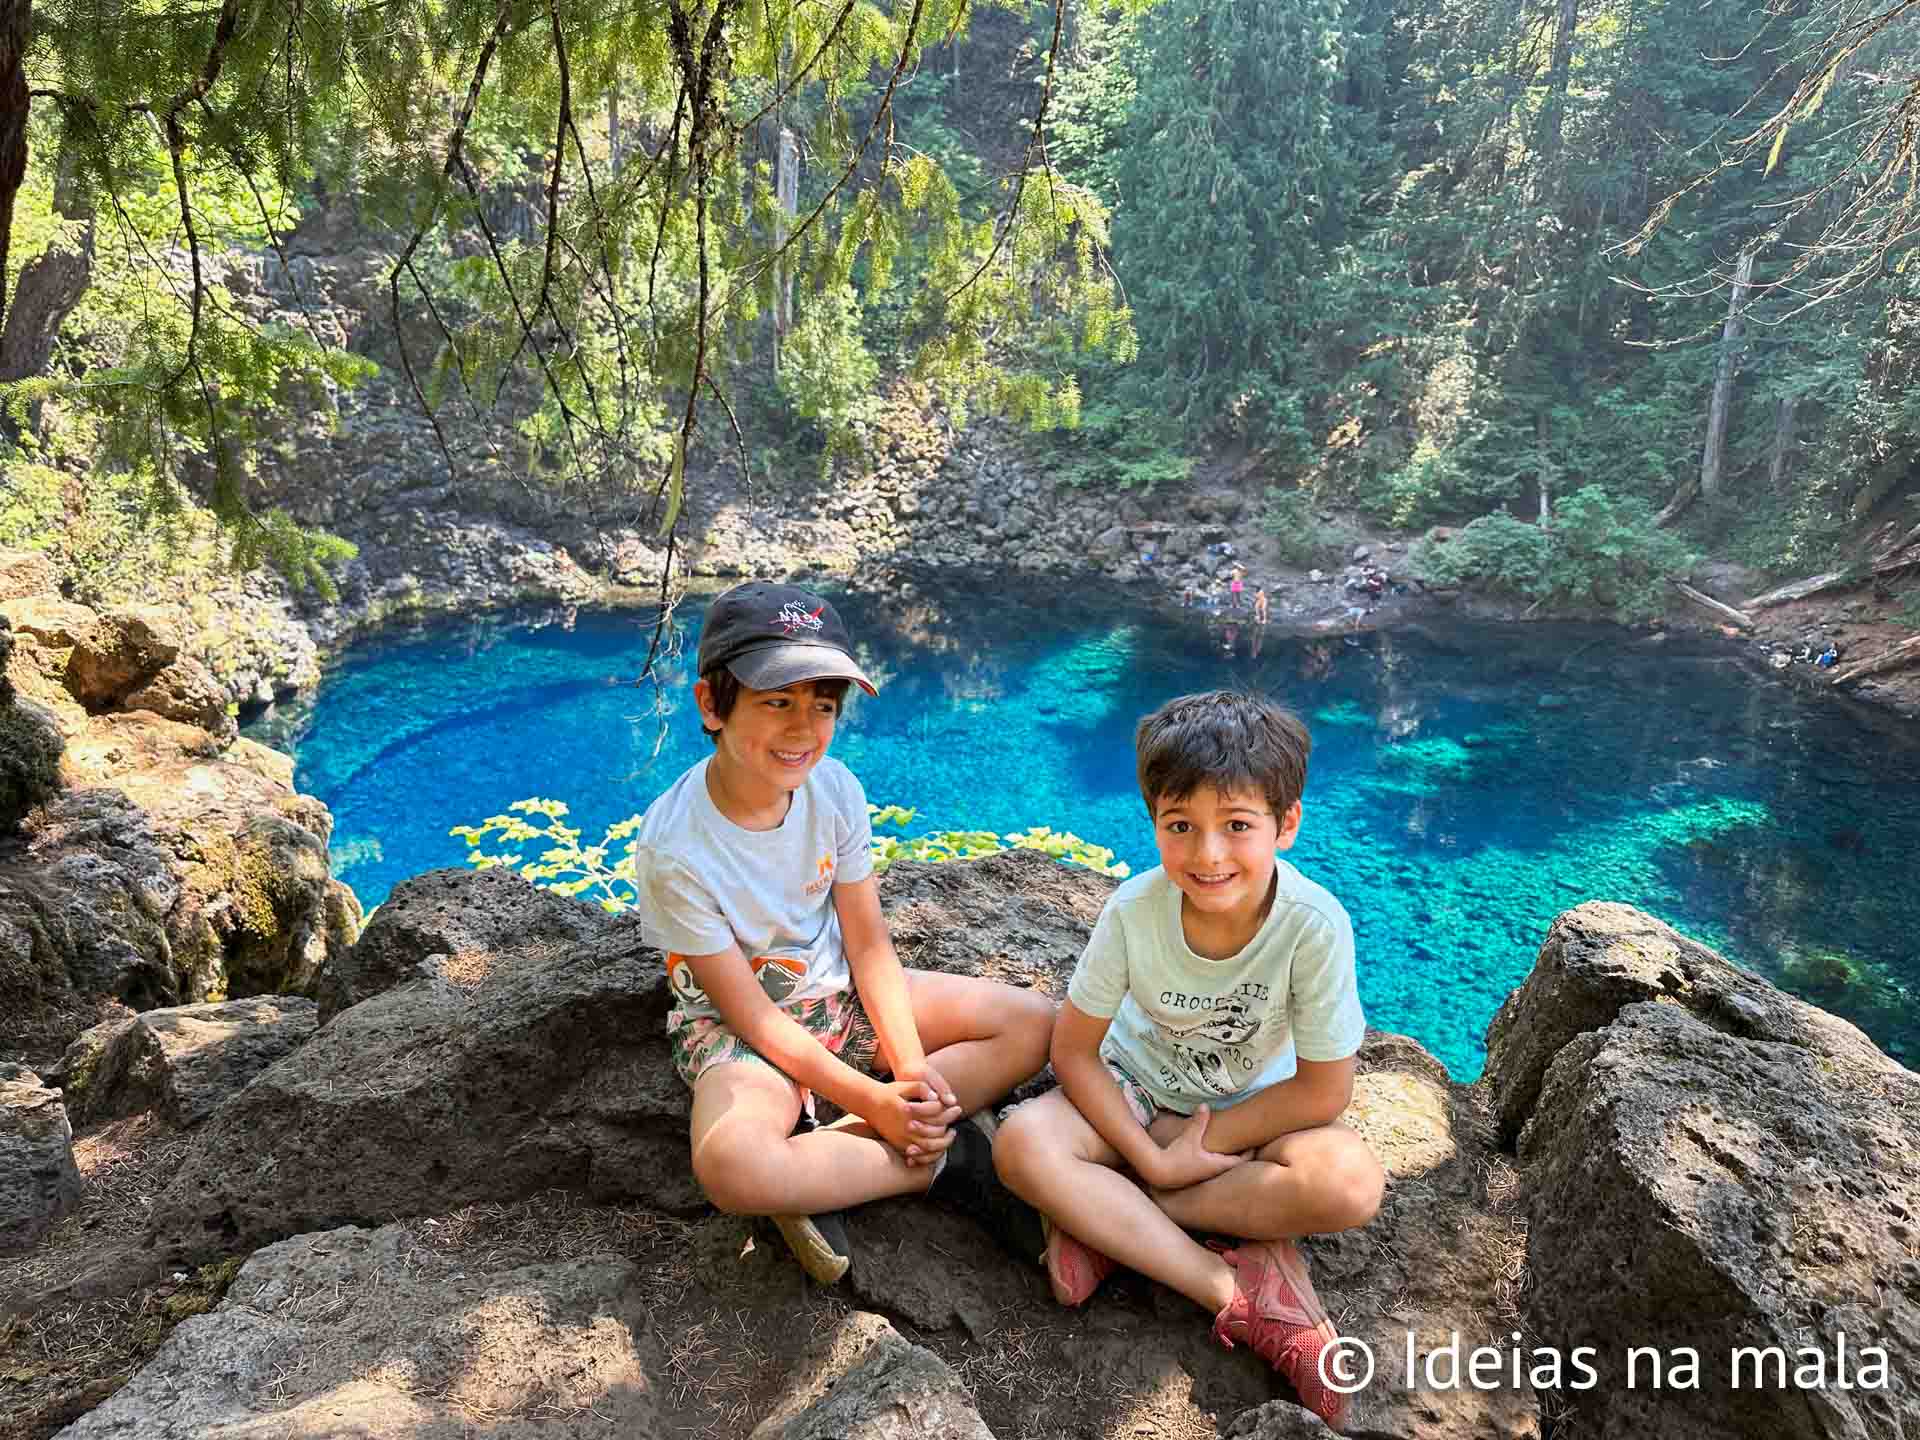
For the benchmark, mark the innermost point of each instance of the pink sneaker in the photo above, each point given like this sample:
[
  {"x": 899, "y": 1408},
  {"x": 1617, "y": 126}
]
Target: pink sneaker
[
  {"x": 1275, "y": 1311},
  {"x": 1076, "y": 1269}
]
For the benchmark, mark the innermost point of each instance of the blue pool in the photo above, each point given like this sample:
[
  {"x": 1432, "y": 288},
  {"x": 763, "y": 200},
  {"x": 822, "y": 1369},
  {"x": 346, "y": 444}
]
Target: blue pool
[{"x": 1467, "y": 784}]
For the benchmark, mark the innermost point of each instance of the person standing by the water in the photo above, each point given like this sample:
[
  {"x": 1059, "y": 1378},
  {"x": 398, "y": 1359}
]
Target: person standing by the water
[
  {"x": 1238, "y": 584},
  {"x": 1260, "y": 606}
]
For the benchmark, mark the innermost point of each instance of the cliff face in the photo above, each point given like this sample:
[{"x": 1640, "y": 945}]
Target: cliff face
[{"x": 148, "y": 856}]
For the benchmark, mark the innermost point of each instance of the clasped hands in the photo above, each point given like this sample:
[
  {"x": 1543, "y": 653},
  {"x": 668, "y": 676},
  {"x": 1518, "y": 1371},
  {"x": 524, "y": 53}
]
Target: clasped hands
[{"x": 918, "y": 1116}]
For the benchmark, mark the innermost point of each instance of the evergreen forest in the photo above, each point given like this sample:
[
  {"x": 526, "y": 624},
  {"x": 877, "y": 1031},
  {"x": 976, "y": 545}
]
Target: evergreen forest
[{"x": 1632, "y": 271}]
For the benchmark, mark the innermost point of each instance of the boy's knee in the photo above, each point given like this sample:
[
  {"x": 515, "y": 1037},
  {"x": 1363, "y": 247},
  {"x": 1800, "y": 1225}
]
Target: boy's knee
[
  {"x": 733, "y": 1181},
  {"x": 1033, "y": 1018},
  {"x": 1019, "y": 1144},
  {"x": 1356, "y": 1184}
]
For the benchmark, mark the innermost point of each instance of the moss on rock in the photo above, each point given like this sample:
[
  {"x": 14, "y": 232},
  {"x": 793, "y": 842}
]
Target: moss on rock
[{"x": 30, "y": 747}]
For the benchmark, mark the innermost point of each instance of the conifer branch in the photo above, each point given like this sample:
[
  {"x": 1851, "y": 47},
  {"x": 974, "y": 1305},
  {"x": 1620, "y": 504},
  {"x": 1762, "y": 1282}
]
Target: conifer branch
[
  {"x": 1036, "y": 146},
  {"x": 881, "y": 115},
  {"x": 475, "y": 84}
]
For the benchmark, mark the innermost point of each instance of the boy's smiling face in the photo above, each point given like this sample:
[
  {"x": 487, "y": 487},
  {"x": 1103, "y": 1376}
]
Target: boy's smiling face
[
  {"x": 1218, "y": 848},
  {"x": 773, "y": 739}
]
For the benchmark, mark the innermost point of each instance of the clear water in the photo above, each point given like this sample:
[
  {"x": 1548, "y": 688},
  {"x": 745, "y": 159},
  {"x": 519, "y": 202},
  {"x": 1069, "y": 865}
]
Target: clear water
[{"x": 1467, "y": 785}]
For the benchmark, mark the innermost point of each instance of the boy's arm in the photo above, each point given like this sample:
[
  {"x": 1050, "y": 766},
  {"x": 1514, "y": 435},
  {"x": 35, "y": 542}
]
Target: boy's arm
[
  {"x": 1096, "y": 1095},
  {"x": 879, "y": 978},
  {"x": 729, "y": 983},
  {"x": 1317, "y": 1093},
  {"x": 1093, "y": 1090}
]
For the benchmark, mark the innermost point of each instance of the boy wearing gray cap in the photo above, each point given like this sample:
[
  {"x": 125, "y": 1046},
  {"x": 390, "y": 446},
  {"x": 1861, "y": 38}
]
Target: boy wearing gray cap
[{"x": 758, "y": 881}]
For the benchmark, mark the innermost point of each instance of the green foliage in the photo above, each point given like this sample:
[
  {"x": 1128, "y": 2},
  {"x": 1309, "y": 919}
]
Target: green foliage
[
  {"x": 825, "y": 370},
  {"x": 1497, "y": 550},
  {"x": 601, "y": 305},
  {"x": 139, "y": 388},
  {"x": 563, "y": 866},
  {"x": 1600, "y": 552},
  {"x": 1301, "y": 538},
  {"x": 124, "y": 535},
  {"x": 943, "y": 845},
  {"x": 566, "y": 867},
  {"x": 1241, "y": 167},
  {"x": 1118, "y": 447}
]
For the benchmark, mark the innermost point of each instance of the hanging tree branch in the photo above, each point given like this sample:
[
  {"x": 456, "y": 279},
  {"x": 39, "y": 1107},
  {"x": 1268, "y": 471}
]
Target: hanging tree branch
[
  {"x": 1036, "y": 146},
  {"x": 503, "y": 19},
  {"x": 1877, "y": 188}
]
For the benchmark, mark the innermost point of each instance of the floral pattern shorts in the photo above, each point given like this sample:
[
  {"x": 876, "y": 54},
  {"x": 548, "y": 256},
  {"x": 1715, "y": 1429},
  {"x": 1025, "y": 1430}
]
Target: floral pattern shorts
[
  {"x": 839, "y": 1022},
  {"x": 1143, "y": 1105}
]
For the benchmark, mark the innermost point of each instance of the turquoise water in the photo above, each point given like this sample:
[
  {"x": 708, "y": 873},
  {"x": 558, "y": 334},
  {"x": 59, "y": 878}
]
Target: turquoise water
[{"x": 1467, "y": 785}]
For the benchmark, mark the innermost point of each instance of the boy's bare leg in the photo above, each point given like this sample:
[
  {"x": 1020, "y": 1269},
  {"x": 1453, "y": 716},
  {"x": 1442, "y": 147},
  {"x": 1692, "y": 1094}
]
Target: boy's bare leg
[
  {"x": 1311, "y": 1182},
  {"x": 983, "y": 1037},
  {"x": 1053, "y": 1159},
  {"x": 749, "y": 1162}
]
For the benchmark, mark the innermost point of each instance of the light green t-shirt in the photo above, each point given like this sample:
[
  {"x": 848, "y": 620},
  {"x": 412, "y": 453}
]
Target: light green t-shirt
[{"x": 1198, "y": 1032}]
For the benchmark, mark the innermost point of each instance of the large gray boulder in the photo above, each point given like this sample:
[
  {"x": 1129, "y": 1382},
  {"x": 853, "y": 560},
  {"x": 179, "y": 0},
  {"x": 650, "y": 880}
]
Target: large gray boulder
[
  {"x": 863, "y": 1381},
  {"x": 1599, "y": 958},
  {"x": 1710, "y": 1165},
  {"x": 372, "y": 1334},
  {"x": 503, "y": 1074},
  {"x": 455, "y": 913},
  {"x": 30, "y": 745},
  {"x": 182, "y": 881},
  {"x": 38, "y": 1179},
  {"x": 170, "y": 870},
  {"x": 182, "y": 1061}
]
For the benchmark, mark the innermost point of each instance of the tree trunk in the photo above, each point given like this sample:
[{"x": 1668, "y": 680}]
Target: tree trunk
[
  {"x": 16, "y": 26},
  {"x": 1801, "y": 589},
  {"x": 50, "y": 286},
  {"x": 52, "y": 282},
  {"x": 1707, "y": 602},
  {"x": 1553, "y": 116},
  {"x": 1712, "y": 463},
  {"x": 1543, "y": 470},
  {"x": 1782, "y": 442},
  {"x": 1907, "y": 652}
]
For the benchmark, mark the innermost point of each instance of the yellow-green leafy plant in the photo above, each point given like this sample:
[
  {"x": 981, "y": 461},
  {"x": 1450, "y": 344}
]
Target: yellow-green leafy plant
[
  {"x": 566, "y": 868},
  {"x": 944, "y": 845}
]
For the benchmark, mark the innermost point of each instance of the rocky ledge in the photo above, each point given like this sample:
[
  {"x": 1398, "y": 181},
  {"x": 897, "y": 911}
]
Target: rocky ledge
[
  {"x": 466, "y": 1197},
  {"x": 148, "y": 856}
]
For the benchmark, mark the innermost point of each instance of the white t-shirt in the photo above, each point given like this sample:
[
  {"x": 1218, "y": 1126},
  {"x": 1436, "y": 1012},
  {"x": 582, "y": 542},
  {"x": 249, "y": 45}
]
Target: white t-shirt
[
  {"x": 707, "y": 883},
  {"x": 1198, "y": 1032}
]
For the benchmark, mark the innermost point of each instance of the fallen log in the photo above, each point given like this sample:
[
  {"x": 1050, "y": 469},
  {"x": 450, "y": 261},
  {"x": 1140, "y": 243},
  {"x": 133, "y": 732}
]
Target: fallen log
[
  {"x": 1907, "y": 652},
  {"x": 1725, "y": 612},
  {"x": 1912, "y": 537},
  {"x": 1893, "y": 562},
  {"x": 1800, "y": 589}
]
